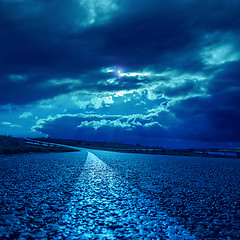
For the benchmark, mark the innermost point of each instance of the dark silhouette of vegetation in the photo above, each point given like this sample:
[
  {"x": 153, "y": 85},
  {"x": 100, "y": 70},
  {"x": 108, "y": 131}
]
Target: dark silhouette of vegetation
[
  {"x": 96, "y": 145},
  {"x": 12, "y": 145},
  {"x": 138, "y": 148}
]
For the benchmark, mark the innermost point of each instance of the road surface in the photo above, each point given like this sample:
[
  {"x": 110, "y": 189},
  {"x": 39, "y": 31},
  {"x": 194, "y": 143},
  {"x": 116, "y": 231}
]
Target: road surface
[{"x": 103, "y": 195}]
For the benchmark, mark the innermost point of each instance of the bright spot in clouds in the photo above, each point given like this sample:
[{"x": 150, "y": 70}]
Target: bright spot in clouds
[
  {"x": 111, "y": 57},
  {"x": 220, "y": 54},
  {"x": 133, "y": 74},
  {"x": 108, "y": 69},
  {"x": 25, "y": 115},
  {"x": 98, "y": 11},
  {"x": 121, "y": 73}
]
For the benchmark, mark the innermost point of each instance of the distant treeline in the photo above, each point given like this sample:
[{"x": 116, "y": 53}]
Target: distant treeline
[
  {"x": 97, "y": 145},
  {"x": 138, "y": 148},
  {"x": 12, "y": 145}
]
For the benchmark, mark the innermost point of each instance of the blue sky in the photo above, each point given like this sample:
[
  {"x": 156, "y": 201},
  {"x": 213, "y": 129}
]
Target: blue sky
[{"x": 149, "y": 71}]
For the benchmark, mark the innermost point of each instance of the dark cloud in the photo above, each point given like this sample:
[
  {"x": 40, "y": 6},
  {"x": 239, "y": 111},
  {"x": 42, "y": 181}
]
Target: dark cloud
[
  {"x": 226, "y": 79},
  {"x": 103, "y": 127},
  {"x": 213, "y": 118},
  {"x": 54, "y": 38},
  {"x": 189, "y": 48},
  {"x": 180, "y": 89},
  {"x": 28, "y": 91}
]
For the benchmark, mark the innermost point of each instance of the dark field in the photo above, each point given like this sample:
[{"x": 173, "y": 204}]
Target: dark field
[{"x": 12, "y": 145}]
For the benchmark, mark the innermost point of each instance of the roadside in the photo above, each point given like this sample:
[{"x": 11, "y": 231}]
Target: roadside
[
  {"x": 12, "y": 145},
  {"x": 138, "y": 148}
]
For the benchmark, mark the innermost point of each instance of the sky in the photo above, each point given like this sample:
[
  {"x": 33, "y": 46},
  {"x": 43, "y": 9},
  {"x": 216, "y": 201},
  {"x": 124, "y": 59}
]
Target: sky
[{"x": 154, "y": 72}]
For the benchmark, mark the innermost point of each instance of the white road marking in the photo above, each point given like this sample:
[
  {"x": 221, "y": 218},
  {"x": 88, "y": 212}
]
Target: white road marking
[{"x": 105, "y": 206}]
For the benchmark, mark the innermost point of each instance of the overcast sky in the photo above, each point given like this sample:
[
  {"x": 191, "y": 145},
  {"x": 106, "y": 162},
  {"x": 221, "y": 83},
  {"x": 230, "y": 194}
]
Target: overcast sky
[{"x": 154, "y": 72}]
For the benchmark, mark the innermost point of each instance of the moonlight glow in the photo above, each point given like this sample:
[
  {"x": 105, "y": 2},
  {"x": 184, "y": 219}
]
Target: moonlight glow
[{"x": 149, "y": 72}]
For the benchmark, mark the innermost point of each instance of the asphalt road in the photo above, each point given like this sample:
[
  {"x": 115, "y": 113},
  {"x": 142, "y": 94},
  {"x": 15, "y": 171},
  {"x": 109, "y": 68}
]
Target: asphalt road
[{"x": 105, "y": 195}]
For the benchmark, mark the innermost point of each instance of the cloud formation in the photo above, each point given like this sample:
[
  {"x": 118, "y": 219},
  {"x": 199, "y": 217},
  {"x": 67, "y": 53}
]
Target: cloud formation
[
  {"x": 25, "y": 115},
  {"x": 117, "y": 59},
  {"x": 102, "y": 127},
  {"x": 8, "y": 124}
]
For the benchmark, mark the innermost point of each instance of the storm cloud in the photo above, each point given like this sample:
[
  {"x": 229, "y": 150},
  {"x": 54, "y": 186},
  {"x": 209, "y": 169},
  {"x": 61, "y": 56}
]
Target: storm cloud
[{"x": 120, "y": 58}]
